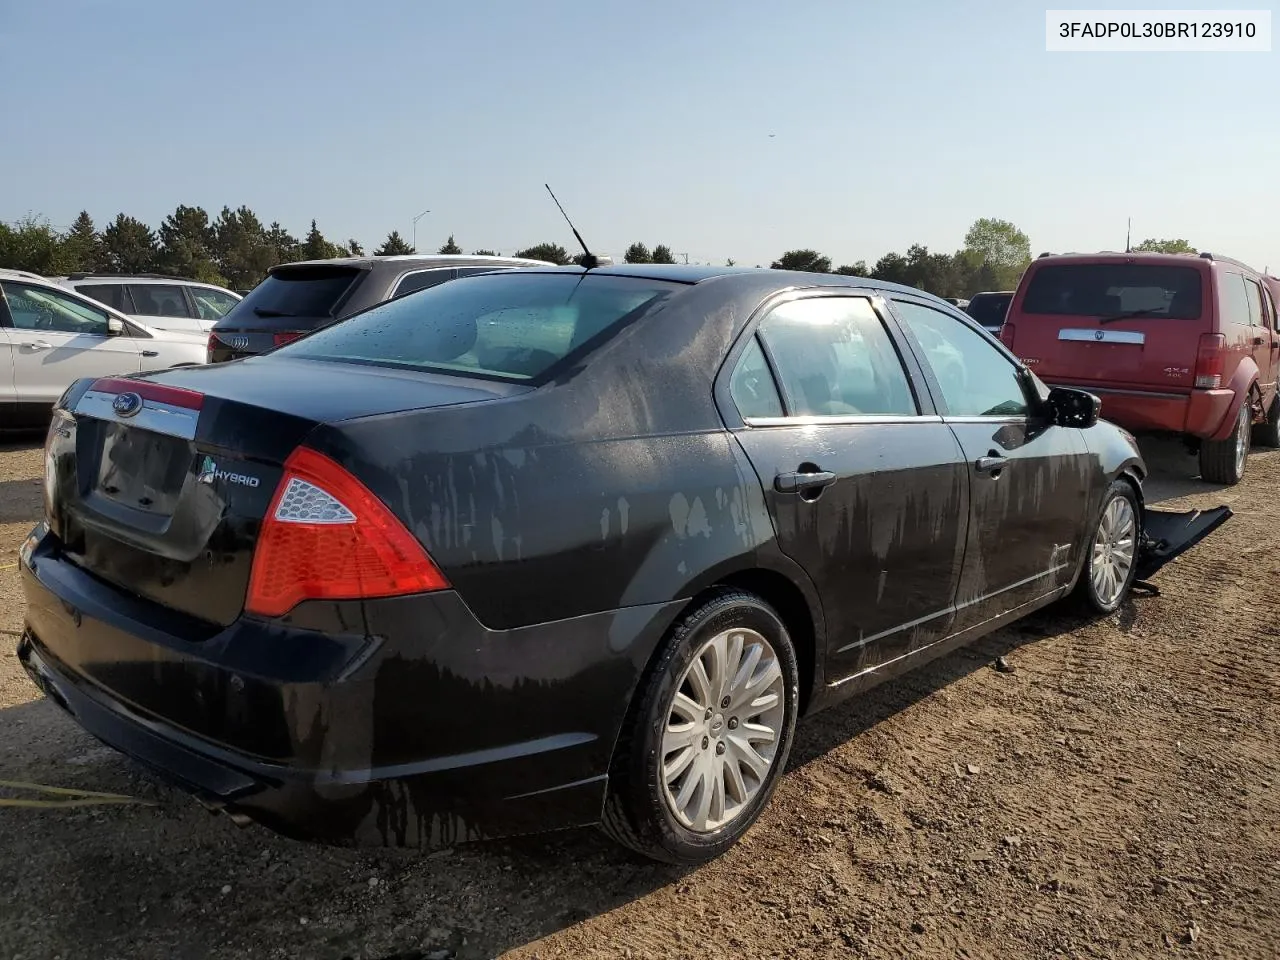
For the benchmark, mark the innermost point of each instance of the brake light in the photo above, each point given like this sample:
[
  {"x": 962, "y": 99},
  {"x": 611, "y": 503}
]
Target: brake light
[
  {"x": 280, "y": 339},
  {"x": 147, "y": 390},
  {"x": 327, "y": 537},
  {"x": 1006, "y": 334},
  {"x": 1210, "y": 359},
  {"x": 213, "y": 345}
]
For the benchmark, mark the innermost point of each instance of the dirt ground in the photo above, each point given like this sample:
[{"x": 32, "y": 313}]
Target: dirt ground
[{"x": 1115, "y": 795}]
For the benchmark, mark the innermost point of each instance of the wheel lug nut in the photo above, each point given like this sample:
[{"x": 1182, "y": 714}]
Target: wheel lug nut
[
  {"x": 719, "y": 748},
  {"x": 705, "y": 742},
  {"x": 724, "y": 702},
  {"x": 733, "y": 723},
  {"x": 709, "y": 712}
]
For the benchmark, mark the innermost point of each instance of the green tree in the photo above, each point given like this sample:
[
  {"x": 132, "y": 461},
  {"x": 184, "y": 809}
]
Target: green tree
[
  {"x": 809, "y": 261},
  {"x": 637, "y": 253},
  {"x": 450, "y": 247},
  {"x": 662, "y": 254},
  {"x": 32, "y": 244},
  {"x": 82, "y": 245},
  {"x": 551, "y": 252},
  {"x": 129, "y": 245},
  {"x": 730, "y": 262},
  {"x": 1165, "y": 246},
  {"x": 243, "y": 248},
  {"x": 858, "y": 269},
  {"x": 1001, "y": 245},
  {"x": 284, "y": 246},
  {"x": 484, "y": 253},
  {"x": 316, "y": 247},
  {"x": 393, "y": 246},
  {"x": 354, "y": 248},
  {"x": 187, "y": 242}
]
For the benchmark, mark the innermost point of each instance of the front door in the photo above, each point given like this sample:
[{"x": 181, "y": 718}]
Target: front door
[
  {"x": 866, "y": 486},
  {"x": 1029, "y": 481},
  {"x": 57, "y": 338},
  {"x": 1262, "y": 336}
]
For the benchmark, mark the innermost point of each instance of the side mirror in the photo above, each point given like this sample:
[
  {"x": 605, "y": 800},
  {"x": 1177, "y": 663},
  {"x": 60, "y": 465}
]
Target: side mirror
[
  {"x": 1073, "y": 408},
  {"x": 115, "y": 326}
]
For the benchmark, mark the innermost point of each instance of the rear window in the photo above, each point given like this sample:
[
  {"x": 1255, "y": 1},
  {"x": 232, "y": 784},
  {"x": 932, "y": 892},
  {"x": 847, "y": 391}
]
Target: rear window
[
  {"x": 989, "y": 310},
  {"x": 1112, "y": 289},
  {"x": 512, "y": 326},
  {"x": 304, "y": 292}
]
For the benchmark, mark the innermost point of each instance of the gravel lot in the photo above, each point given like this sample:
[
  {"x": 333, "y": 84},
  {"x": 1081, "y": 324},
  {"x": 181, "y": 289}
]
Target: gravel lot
[{"x": 1115, "y": 795}]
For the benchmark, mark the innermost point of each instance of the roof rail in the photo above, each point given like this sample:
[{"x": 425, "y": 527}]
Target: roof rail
[
  {"x": 1206, "y": 255},
  {"x": 87, "y": 275},
  {"x": 1043, "y": 255}
]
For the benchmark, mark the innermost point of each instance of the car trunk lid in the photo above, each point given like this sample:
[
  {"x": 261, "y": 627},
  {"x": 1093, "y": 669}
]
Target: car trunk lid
[{"x": 160, "y": 484}]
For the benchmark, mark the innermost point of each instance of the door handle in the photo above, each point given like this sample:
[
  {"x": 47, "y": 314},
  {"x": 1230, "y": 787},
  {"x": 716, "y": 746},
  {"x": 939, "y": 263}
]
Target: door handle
[
  {"x": 1257, "y": 341},
  {"x": 991, "y": 463},
  {"x": 40, "y": 345},
  {"x": 801, "y": 481},
  {"x": 151, "y": 353}
]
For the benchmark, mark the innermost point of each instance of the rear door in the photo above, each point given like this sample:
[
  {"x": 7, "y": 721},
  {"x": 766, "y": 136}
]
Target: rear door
[
  {"x": 1030, "y": 482},
  {"x": 164, "y": 305},
  {"x": 866, "y": 486},
  {"x": 1261, "y": 335},
  {"x": 1116, "y": 323},
  {"x": 56, "y": 338}
]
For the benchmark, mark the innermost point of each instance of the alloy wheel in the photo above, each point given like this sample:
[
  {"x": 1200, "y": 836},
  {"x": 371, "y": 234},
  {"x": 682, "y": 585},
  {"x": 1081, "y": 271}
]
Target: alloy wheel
[{"x": 1113, "y": 550}]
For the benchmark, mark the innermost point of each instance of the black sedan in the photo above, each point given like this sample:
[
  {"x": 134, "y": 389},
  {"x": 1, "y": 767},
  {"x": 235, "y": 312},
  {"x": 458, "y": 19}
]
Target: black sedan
[{"x": 554, "y": 547}]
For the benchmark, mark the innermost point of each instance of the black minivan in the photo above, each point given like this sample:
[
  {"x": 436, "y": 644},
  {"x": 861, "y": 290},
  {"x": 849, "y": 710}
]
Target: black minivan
[{"x": 296, "y": 298}]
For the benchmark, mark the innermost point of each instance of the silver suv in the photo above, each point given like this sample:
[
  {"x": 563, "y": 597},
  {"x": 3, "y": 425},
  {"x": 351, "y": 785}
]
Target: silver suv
[{"x": 169, "y": 303}]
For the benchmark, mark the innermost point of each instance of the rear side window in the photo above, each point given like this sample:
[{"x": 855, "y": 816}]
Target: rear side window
[
  {"x": 989, "y": 309},
  {"x": 159, "y": 300},
  {"x": 212, "y": 304},
  {"x": 752, "y": 387},
  {"x": 421, "y": 280},
  {"x": 512, "y": 326},
  {"x": 1234, "y": 299},
  {"x": 1111, "y": 289},
  {"x": 310, "y": 292},
  {"x": 112, "y": 294}
]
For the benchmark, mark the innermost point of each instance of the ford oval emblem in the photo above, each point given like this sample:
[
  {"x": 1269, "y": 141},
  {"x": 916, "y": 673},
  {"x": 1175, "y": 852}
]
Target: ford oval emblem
[
  {"x": 1099, "y": 334},
  {"x": 127, "y": 404}
]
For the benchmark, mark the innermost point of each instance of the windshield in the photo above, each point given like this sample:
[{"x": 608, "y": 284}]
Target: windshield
[
  {"x": 512, "y": 326},
  {"x": 1115, "y": 289},
  {"x": 989, "y": 309}
]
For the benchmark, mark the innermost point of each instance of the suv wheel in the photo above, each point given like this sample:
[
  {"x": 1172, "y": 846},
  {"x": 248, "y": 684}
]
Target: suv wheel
[
  {"x": 709, "y": 734},
  {"x": 1223, "y": 461},
  {"x": 1268, "y": 434}
]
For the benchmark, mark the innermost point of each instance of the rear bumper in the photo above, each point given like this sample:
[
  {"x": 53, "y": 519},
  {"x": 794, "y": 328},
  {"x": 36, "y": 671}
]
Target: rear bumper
[
  {"x": 1201, "y": 413},
  {"x": 421, "y": 729}
]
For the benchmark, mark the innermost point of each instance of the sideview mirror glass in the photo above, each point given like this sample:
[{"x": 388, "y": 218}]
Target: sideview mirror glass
[
  {"x": 115, "y": 326},
  {"x": 1073, "y": 408}
]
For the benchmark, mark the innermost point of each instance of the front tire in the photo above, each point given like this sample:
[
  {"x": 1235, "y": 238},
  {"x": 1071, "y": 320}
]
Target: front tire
[
  {"x": 1110, "y": 561},
  {"x": 709, "y": 734},
  {"x": 1223, "y": 461}
]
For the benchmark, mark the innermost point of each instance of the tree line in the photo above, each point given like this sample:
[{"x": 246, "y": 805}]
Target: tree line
[{"x": 235, "y": 249}]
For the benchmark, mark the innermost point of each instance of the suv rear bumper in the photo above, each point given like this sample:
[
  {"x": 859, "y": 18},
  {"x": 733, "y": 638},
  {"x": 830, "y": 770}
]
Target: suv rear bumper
[
  {"x": 1206, "y": 414},
  {"x": 433, "y": 731}
]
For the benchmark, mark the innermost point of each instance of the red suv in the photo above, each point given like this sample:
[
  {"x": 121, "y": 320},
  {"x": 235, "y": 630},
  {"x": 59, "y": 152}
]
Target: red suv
[{"x": 1172, "y": 343}]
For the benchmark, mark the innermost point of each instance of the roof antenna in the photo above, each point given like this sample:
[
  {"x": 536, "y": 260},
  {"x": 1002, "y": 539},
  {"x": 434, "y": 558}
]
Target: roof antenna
[
  {"x": 1128, "y": 234},
  {"x": 589, "y": 259}
]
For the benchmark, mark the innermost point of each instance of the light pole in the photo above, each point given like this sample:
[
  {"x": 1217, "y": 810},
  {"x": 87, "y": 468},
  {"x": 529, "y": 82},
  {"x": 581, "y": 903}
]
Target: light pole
[{"x": 415, "y": 228}]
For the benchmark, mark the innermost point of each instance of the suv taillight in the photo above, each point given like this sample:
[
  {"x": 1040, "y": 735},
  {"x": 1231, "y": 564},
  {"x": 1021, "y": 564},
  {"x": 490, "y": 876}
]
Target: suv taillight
[
  {"x": 1006, "y": 334},
  {"x": 327, "y": 537},
  {"x": 1210, "y": 359},
  {"x": 280, "y": 339}
]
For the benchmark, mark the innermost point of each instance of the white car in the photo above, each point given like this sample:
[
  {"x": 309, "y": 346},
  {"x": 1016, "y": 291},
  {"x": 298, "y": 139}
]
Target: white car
[
  {"x": 51, "y": 337},
  {"x": 168, "y": 303}
]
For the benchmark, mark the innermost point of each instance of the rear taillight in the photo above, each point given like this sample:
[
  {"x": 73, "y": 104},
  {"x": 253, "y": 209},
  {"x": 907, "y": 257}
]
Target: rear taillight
[
  {"x": 1006, "y": 335},
  {"x": 327, "y": 537},
  {"x": 212, "y": 346},
  {"x": 1210, "y": 359},
  {"x": 280, "y": 339}
]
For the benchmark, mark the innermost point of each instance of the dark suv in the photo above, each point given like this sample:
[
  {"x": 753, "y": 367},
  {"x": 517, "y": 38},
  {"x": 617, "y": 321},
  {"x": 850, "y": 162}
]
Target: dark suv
[{"x": 297, "y": 298}]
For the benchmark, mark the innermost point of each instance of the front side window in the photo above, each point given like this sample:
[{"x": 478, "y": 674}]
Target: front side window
[
  {"x": 158, "y": 300},
  {"x": 835, "y": 358},
  {"x": 752, "y": 387},
  {"x": 976, "y": 379},
  {"x": 1253, "y": 294},
  {"x": 39, "y": 308},
  {"x": 511, "y": 326}
]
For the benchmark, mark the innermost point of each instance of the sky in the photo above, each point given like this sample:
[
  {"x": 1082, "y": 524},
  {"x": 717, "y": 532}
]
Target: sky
[{"x": 724, "y": 130}]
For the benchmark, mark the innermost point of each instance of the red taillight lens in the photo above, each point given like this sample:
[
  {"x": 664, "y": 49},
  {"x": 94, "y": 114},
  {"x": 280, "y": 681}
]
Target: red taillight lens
[
  {"x": 327, "y": 537},
  {"x": 280, "y": 339},
  {"x": 1210, "y": 360},
  {"x": 213, "y": 345},
  {"x": 1006, "y": 335}
]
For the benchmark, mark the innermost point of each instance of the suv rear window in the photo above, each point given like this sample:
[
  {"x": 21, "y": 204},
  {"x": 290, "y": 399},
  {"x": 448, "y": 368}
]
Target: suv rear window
[
  {"x": 1111, "y": 289},
  {"x": 510, "y": 326},
  {"x": 301, "y": 292},
  {"x": 989, "y": 309}
]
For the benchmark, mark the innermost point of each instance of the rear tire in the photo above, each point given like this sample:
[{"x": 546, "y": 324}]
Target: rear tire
[
  {"x": 1268, "y": 434},
  {"x": 1223, "y": 461},
  {"x": 682, "y": 743},
  {"x": 1111, "y": 554}
]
